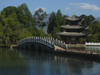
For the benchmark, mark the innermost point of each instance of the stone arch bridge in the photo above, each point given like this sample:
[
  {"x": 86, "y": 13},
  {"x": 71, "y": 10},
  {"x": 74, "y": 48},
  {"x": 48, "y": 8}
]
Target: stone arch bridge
[{"x": 41, "y": 44}]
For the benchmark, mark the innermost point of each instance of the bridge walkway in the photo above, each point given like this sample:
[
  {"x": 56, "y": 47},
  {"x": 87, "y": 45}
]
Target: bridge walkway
[{"x": 58, "y": 48}]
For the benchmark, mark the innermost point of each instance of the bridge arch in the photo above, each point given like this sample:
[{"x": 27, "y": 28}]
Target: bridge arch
[
  {"x": 26, "y": 47},
  {"x": 45, "y": 50},
  {"x": 33, "y": 47},
  {"x": 39, "y": 49},
  {"x": 22, "y": 47}
]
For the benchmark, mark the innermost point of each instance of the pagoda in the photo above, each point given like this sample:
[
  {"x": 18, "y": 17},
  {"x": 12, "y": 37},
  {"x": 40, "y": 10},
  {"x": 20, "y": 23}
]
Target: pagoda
[{"x": 73, "y": 31}]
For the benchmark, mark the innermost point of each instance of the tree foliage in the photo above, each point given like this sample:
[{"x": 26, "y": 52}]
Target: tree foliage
[
  {"x": 28, "y": 15},
  {"x": 17, "y": 23},
  {"x": 93, "y": 28},
  {"x": 55, "y": 21},
  {"x": 40, "y": 14},
  {"x": 87, "y": 19},
  {"x": 51, "y": 23}
]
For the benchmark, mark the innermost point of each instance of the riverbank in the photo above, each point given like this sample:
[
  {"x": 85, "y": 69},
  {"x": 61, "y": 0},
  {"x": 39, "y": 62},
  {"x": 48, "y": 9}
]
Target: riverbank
[
  {"x": 13, "y": 46},
  {"x": 8, "y": 46},
  {"x": 4, "y": 46},
  {"x": 86, "y": 54}
]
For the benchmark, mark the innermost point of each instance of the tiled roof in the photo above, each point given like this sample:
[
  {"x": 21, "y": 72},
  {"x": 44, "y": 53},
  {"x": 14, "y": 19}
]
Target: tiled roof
[
  {"x": 73, "y": 18},
  {"x": 72, "y": 34},
  {"x": 72, "y": 27}
]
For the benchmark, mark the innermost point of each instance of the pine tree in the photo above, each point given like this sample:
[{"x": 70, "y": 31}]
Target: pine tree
[{"x": 40, "y": 15}]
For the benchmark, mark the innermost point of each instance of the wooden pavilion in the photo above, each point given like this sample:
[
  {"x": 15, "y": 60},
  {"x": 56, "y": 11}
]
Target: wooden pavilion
[{"x": 74, "y": 31}]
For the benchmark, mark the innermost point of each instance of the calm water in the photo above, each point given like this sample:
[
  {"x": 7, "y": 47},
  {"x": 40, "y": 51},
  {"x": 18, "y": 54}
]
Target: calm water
[{"x": 21, "y": 62}]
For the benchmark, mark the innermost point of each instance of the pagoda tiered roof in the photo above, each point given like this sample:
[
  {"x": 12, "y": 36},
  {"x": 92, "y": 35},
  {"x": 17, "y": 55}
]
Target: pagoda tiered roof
[
  {"x": 73, "y": 27},
  {"x": 72, "y": 34}
]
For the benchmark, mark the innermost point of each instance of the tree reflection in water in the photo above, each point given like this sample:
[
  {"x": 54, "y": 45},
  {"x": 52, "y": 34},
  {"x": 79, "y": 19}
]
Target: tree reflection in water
[
  {"x": 19, "y": 62},
  {"x": 66, "y": 63}
]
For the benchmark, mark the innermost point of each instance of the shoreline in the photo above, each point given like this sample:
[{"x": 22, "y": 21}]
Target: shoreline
[
  {"x": 4, "y": 46},
  {"x": 86, "y": 54}
]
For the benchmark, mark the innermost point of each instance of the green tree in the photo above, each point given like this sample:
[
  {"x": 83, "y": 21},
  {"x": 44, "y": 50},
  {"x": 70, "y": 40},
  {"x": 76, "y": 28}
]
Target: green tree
[
  {"x": 55, "y": 21},
  {"x": 59, "y": 17},
  {"x": 41, "y": 33},
  {"x": 54, "y": 33},
  {"x": 92, "y": 38},
  {"x": 12, "y": 24},
  {"x": 8, "y": 11},
  {"x": 87, "y": 20},
  {"x": 51, "y": 23},
  {"x": 96, "y": 29},
  {"x": 1, "y": 33},
  {"x": 27, "y": 13},
  {"x": 21, "y": 16},
  {"x": 40, "y": 15}
]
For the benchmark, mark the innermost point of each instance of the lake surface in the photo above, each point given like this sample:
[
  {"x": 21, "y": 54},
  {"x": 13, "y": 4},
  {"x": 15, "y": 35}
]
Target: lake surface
[{"x": 22, "y": 62}]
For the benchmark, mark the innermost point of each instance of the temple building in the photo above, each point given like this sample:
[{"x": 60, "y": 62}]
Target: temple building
[{"x": 73, "y": 31}]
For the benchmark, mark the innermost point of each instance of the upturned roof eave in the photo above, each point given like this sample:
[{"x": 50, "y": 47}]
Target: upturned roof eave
[
  {"x": 72, "y": 35},
  {"x": 72, "y": 27},
  {"x": 73, "y": 19}
]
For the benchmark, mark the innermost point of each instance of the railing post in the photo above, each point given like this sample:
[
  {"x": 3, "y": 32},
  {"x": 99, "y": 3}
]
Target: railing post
[
  {"x": 50, "y": 41},
  {"x": 61, "y": 43},
  {"x": 36, "y": 39},
  {"x": 32, "y": 39},
  {"x": 47, "y": 41},
  {"x": 29, "y": 39},
  {"x": 40, "y": 39},
  {"x": 56, "y": 41},
  {"x": 53, "y": 41}
]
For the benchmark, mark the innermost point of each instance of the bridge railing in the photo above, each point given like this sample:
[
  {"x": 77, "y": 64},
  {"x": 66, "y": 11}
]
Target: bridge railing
[
  {"x": 44, "y": 40},
  {"x": 92, "y": 44}
]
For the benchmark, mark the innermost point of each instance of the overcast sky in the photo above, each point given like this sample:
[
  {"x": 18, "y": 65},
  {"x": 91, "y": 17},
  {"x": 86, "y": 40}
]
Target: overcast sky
[{"x": 67, "y": 7}]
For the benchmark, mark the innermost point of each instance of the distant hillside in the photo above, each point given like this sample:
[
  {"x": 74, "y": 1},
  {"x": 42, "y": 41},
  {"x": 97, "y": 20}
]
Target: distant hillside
[{"x": 97, "y": 19}]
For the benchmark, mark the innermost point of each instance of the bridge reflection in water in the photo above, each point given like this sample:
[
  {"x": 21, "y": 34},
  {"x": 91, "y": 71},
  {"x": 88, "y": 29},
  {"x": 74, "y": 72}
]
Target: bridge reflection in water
[
  {"x": 27, "y": 62},
  {"x": 60, "y": 64}
]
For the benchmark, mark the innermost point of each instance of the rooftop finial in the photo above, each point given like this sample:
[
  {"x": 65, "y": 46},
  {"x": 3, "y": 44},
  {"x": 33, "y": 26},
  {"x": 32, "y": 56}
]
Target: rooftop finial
[{"x": 74, "y": 13}]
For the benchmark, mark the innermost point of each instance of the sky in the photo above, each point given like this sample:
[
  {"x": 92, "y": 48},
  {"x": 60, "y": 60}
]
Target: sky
[{"x": 67, "y": 7}]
